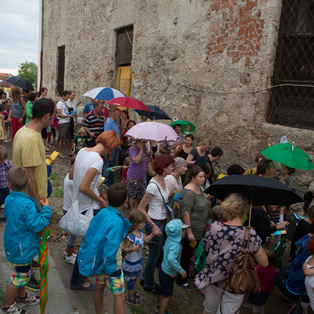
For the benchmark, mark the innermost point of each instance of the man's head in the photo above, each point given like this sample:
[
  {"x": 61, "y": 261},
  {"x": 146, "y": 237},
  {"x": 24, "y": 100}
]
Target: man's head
[
  {"x": 177, "y": 128},
  {"x": 65, "y": 95},
  {"x": 98, "y": 107},
  {"x": 43, "y": 92},
  {"x": 216, "y": 153},
  {"x": 116, "y": 115},
  {"x": 43, "y": 109},
  {"x": 117, "y": 195},
  {"x": 72, "y": 95},
  {"x": 17, "y": 179},
  {"x": 25, "y": 92}
]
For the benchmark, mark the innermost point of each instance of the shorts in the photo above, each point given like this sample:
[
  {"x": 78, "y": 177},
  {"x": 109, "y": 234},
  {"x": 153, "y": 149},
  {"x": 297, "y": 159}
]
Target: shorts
[
  {"x": 166, "y": 283},
  {"x": 65, "y": 133},
  {"x": 21, "y": 274},
  {"x": 115, "y": 282}
]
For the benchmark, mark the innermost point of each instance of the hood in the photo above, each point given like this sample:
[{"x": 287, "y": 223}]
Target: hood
[{"x": 174, "y": 230}]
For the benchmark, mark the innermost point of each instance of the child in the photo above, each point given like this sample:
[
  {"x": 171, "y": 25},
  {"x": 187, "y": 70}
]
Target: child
[
  {"x": 171, "y": 262},
  {"x": 21, "y": 240},
  {"x": 133, "y": 247},
  {"x": 125, "y": 169},
  {"x": 2, "y": 126},
  {"x": 80, "y": 140},
  {"x": 4, "y": 167},
  {"x": 266, "y": 275},
  {"x": 101, "y": 251},
  {"x": 170, "y": 151}
]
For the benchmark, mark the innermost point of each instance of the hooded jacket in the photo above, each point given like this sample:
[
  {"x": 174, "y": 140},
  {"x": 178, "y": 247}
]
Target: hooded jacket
[
  {"x": 101, "y": 242},
  {"x": 172, "y": 249},
  {"x": 24, "y": 222}
]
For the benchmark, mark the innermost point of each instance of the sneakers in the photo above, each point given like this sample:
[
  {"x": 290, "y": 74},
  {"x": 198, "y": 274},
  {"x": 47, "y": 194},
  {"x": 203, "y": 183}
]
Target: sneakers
[
  {"x": 65, "y": 254},
  {"x": 33, "y": 284},
  {"x": 13, "y": 309},
  {"x": 28, "y": 300},
  {"x": 133, "y": 301},
  {"x": 70, "y": 259},
  {"x": 185, "y": 286},
  {"x": 157, "y": 310}
]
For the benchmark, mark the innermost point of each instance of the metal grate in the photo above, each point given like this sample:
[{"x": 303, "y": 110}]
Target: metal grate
[
  {"x": 61, "y": 65},
  {"x": 294, "y": 105}
]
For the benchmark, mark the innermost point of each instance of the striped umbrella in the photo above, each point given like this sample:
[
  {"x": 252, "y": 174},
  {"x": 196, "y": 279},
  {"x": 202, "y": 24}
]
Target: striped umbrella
[
  {"x": 44, "y": 267},
  {"x": 104, "y": 93}
]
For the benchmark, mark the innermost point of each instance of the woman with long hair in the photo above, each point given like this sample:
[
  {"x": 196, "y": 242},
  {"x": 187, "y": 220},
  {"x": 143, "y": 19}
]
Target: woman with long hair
[{"x": 201, "y": 150}]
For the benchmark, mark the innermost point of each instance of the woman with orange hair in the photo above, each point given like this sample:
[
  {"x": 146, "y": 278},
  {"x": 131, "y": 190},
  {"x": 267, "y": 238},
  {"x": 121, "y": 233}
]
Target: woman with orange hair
[{"x": 86, "y": 173}]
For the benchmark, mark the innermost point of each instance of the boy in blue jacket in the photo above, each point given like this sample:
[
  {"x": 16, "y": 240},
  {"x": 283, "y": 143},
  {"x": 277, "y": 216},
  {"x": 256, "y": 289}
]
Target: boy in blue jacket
[
  {"x": 170, "y": 265},
  {"x": 21, "y": 240},
  {"x": 101, "y": 252}
]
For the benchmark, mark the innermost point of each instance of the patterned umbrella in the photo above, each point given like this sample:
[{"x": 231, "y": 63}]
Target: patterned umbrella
[
  {"x": 44, "y": 267},
  {"x": 104, "y": 93}
]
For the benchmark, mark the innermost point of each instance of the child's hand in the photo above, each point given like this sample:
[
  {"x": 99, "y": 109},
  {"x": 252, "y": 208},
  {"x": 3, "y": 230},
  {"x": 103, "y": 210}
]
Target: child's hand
[
  {"x": 44, "y": 203},
  {"x": 137, "y": 247},
  {"x": 184, "y": 274}
]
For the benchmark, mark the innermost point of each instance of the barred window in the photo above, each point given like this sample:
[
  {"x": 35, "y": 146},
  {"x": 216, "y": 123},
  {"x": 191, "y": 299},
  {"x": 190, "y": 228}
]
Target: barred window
[{"x": 294, "y": 64}]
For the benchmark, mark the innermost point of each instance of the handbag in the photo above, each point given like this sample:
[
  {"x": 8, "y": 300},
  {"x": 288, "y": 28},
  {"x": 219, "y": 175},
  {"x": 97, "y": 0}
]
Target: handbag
[
  {"x": 244, "y": 278},
  {"x": 75, "y": 223}
]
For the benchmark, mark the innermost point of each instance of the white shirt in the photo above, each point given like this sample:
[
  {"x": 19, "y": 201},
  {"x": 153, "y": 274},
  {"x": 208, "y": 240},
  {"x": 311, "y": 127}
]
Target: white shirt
[
  {"x": 157, "y": 208},
  {"x": 71, "y": 104},
  {"x": 309, "y": 285},
  {"x": 67, "y": 193},
  {"x": 64, "y": 111},
  {"x": 83, "y": 162},
  {"x": 173, "y": 184}
]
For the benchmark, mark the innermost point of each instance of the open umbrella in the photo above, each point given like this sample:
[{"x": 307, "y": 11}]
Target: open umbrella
[
  {"x": 153, "y": 131},
  {"x": 289, "y": 155},
  {"x": 183, "y": 124},
  {"x": 20, "y": 82},
  {"x": 155, "y": 113},
  {"x": 104, "y": 93},
  {"x": 44, "y": 267},
  {"x": 128, "y": 102}
]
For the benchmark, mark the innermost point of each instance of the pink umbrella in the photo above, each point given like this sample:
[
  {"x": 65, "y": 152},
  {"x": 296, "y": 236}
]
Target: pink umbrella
[
  {"x": 128, "y": 102},
  {"x": 153, "y": 131}
]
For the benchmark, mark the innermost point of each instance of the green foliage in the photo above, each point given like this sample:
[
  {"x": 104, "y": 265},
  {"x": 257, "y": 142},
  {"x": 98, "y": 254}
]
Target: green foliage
[
  {"x": 59, "y": 193},
  {"x": 28, "y": 70},
  {"x": 54, "y": 176}
]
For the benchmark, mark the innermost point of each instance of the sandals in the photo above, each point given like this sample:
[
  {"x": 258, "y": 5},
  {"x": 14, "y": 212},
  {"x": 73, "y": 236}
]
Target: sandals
[
  {"x": 138, "y": 296},
  {"x": 133, "y": 301},
  {"x": 61, "y": 156},
  {"x": 90, "y": 287}
]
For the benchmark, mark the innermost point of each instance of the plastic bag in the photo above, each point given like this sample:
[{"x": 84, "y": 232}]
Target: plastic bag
[{"x": 74, "y": 223}]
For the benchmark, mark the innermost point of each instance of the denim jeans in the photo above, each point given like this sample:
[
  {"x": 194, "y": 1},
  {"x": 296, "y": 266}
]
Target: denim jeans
[
  {"x": 155, "y": 249},
  {"x": 109, "y": 175}
]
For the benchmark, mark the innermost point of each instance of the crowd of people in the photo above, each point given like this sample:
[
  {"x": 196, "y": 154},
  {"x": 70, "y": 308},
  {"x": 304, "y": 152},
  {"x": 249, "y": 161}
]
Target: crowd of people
[{"x": 164, "y": 190}]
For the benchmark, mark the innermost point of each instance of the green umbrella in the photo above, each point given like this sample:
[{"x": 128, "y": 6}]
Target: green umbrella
[
  {"x": 289, "y": 155},
  {"x": 183, "y": 124}
]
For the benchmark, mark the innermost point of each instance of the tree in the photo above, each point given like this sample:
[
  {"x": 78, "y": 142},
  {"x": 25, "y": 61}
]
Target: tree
[{"x": 28, "y": 70}]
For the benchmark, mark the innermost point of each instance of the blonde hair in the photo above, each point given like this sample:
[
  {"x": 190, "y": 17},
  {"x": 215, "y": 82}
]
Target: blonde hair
[
  {"x": 16, "y": 93},
  {"x": 126, "y": 161},
  {"x": 205, "y": 142},
  {"x": 81, "y": 131},
  {"x": 235, "y": 206},
  {"x": 217, "y": 213}
]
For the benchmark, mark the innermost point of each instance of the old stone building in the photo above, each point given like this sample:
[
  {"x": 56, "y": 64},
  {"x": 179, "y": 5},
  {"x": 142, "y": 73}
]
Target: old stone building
[{"x": 207, "y": 61}]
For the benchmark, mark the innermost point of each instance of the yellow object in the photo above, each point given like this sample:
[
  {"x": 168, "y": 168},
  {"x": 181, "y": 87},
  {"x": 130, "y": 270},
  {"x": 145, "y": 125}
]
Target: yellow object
[
  {"x": 101, "y": 181},
  {"x": 192, "y": 244},
  {"x": 124, "y": 80},
  {"x": 221, "y": 176},
  {"x": 53, "y": 157}
]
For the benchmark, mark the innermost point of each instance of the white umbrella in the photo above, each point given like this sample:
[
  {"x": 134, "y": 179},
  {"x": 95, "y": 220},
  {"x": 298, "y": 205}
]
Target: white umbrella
[
  {"x": 153, "y": 131},
  {"x": 104, "y": 93}
]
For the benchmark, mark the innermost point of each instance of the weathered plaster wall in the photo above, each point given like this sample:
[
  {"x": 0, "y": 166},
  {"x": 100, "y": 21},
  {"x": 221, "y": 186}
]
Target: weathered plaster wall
[{"x": 186, "y": 53}]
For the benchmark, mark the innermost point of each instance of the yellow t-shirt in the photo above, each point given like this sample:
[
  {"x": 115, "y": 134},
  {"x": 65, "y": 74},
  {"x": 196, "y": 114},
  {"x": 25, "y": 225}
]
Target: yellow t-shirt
[
  {"x": 29, "y": 151},
  {"x": 250, "y": 171},
  {"x": 119, "y": 256}
]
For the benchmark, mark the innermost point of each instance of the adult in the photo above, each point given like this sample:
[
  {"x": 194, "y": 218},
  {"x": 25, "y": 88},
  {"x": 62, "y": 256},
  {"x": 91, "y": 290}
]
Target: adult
[
  {"x": 71, "y": 103},
  {"x": 64, "y": 123},
  {"x": 185, "y": 149},
  {"x": 28, "y": 151},
  {"x": 174, "y": 180},
  {"x": 144, "y": 118},
  {"x": 260, "y": 221},
  {"x": 136, "y": 175},
  {"x": 126, "y": 142},
  {"x": 43, "y": 92},
  {"x": 214, "y": 156},
  {"x": 7, "y": 121},
  {"x": 194, "y": 209},
  {"x": 25, "y": 94},
  {"x": 308, "y": 197},
  {"x": 155, "y": 197},
  {"x": 86, "y": 174},
  {"x": 222, "y": 243},
  {"x": 88, "y": 107},
  {"x": 208, "y": 174},
  {"x": 199, "y": 151},
  {"x": 3, "y": 96},
  {"x": 112, "y": 159},
  {"x": 94, "y": 123},
  {"x": 17, "y": 112},
  {"x": 29, "y": 107},
  {"x": 123, "y": 121},
  {"x": 163, "y": 147},
  {"x": 257, "y": 160}
]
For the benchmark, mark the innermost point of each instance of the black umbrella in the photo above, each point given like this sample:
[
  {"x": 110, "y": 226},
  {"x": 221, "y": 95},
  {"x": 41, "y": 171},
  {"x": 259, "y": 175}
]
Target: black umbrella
[
  {"x": 20, "y": 82},
  {"x": 258, "y": 190},
  {"x": 155, "y": 113}
]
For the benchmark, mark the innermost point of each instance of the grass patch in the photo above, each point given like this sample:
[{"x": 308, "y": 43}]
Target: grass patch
[
  {"x": 54, "y": 176},
  {"x": 59, "y": 193},
  {"x": 55, "y": 184}
]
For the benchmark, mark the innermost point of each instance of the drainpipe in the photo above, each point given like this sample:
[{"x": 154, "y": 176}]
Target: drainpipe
[{"x": 40, "y": 45}]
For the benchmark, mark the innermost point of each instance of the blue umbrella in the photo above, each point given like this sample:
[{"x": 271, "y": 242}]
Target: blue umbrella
[
  {"x": 104, "y": 93},
  {"x": 155, "y": 113}
]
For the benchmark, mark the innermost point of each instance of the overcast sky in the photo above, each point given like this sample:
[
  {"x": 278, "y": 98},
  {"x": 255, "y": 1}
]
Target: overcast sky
[{"x": 19, "y": 34}]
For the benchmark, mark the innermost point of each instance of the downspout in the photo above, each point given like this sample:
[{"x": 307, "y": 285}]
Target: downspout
[{"x": 40, "y": 45}]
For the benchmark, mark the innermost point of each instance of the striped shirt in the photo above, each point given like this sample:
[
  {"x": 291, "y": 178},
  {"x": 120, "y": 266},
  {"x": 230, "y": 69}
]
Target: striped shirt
[
  {"x": 4, "y": 167},
  {"x": 94, "y": 124}
]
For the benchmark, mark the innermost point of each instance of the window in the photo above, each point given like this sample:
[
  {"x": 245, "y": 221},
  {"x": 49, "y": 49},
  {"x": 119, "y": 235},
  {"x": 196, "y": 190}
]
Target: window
[
  {"x": 124, "y": 59},
  {"x": 294, "y": 64},
  {"x": 61, "y": 65}
]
